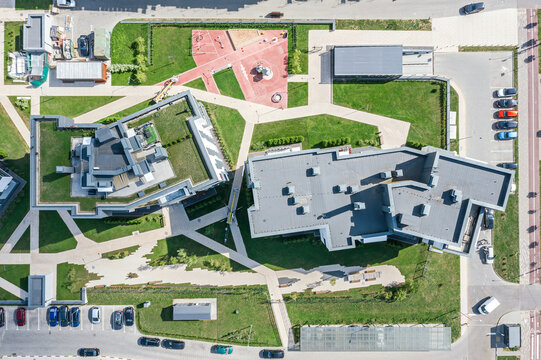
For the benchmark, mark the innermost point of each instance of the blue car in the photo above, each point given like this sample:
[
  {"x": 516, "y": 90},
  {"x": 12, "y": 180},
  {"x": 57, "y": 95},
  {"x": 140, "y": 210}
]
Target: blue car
[
  {"x": 75, "y": 312},
  {"x": 507, "y": 135},
  {"x": 52, "y": 316},
  {"x": 222, "y": 349}
]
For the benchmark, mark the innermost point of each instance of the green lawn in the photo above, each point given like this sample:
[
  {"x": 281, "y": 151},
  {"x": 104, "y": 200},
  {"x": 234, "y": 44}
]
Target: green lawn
[
  {"x": 186, "y": 162},
  {"x": 101, "y": 230},
  {"x": 23, "y": 245},
  {"x": 120, "y": 253},
  {"x": 506, "y": 242},
  {"x": 54, "y": 234},
  {"x": 454, "y": 107},
  {"x": 131, "y": 110},
  {"x": 217, "y": 233},
  {"x": 297, "y": 94},
  {"x": 33, "y": 4},
  {"x": 18, "y": 161},
  {"x": 72, "y": 106},
  {"x": 70, "y": 278},
  {"x": 197, "y": 84},
  {"x": 24, "y": 114},
  {"x": 301, "y": 41},
  {"x": 508, "y": 357},
  {"x": 229, "y": 127},
  {"x": 250, "y": 301},
  {"x": 420, "y": 103},
  {"x": 13, "y": 39},
  {"x": 227, "y": 83},
  {"x": 315, "y": 129},
  {"x": 171, "y": 121},
  {"x": 16, "y": 274},
  {"x": 415, "y": 24},
  {"x": 215, "y": 202},
  {"x": 167, "y": 248},
  {"x": 167, "y": 60}
]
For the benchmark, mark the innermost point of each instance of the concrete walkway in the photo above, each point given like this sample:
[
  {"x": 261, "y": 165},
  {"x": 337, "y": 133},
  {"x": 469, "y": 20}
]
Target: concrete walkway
[
  {"x": 110, "y": 109},
  {"x": 13, "y": 289},
  {"x": 82, "y": 241},
  {"x": 17, "y": 121},
  {"x": 16, "y": 235}
]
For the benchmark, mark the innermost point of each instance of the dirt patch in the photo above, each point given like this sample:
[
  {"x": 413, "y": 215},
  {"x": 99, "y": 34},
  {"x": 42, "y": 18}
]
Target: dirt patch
[{"x": 243, "y": 37}]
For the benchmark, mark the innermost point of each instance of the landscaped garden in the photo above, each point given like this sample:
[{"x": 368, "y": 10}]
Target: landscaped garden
[
  {"x": 101, "y": 230},
  {"x": 420, "y": 103},
  {"x": 316, "y": 132},
  {"x": 54, "y": 234},
  {"x": 506, "y": 241},
  {"x": 17, "y": 275},
  {"x": 13, "y": 40},
  {"x": 70, "y": 278},
  {"x": 297, "y": 94},
  {"x": 239, "y": 308},
  {"x": 384, "y": 24},
  {"x": 197, "y": 84},
  {"x": 120, "y": 253},
  {"x": 217, "y": 232},
  {"x": 72, "y": 106},
  {"x": 22, "y": 106},
  {"x": 182, "y": 250},
  {"x": 228, "y": 84}
]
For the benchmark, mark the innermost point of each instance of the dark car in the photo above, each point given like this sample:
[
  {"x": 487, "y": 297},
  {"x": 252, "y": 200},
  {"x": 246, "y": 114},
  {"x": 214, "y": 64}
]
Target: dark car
[
  {"x": 506, "y": 103},
  {"x": 272, "y": 354},
  {"x": 473, "y": 8},
  {"x": 173, "y": 344},
  {"x": 129, "y": 316},
  {"x": 52, "y": 316},
  {"x": 489, "y": 219},
  {"x": 75, "y": 315},
  {"x": 2, "y": 317},
  {"x": 504, "y": 125},
  {"x": 83, "y": 45},
  {"x": 508, "y": 165},
  {"x": 145, "y": 341},
  {"x": 64, "y": 316},
  {"x": 88, "y": 352},
  {"x": 20, "y": 316},
  {"x": 117, "y": 320}
]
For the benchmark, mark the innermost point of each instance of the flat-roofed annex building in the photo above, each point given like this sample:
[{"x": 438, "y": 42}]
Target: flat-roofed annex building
[{"x": 428, "y": 195}]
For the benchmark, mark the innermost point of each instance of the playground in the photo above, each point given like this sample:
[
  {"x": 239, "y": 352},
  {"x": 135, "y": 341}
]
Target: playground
[{"x": 258, "y": 58}]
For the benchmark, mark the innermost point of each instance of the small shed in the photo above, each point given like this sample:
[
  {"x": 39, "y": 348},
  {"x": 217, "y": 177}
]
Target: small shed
[
  {"x": 512, "y": 336},
  {"x": 69, "y": 71},
  {"x": 194, "y": 309},
  {"x": 102, "y": 44},
  {"x": 367, "y": 61},
  {"x": 39, "y": 290}
]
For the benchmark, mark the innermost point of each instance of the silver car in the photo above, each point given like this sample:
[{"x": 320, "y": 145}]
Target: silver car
[{"x": 95, "y": 317}]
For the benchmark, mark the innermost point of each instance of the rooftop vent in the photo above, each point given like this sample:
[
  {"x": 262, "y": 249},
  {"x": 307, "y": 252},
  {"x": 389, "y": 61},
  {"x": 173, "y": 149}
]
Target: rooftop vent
[
  {"x": 456, "y": 195},
  {"x": 290, "y": 190},
  {"x": 425, "y": 209},
  {"x": 256, "y": 185},
  {"x": 305, "y": 209},
  {"x": 433, "y": 180},
  {"x": 315, "y": 171},
  {"x": 358, "y": 205},
  {"x": 385, "y": 175},
  {"x": 296, "y": 200},
  {"x": 354, "y": 189},
  {"x": 341, "y": 188},
  {"x": 398, "y": 173}
]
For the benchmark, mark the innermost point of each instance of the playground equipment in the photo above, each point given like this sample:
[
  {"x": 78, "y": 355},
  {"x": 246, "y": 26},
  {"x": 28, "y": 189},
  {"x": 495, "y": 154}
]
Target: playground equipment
[
  {"x": 163, "y": 92},
  {"x": 276, "y": 98},
  {"x": 265, "y": 72}
]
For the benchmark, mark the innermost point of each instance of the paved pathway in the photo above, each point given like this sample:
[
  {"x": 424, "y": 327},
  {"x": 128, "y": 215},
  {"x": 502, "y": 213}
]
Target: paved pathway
[
  {"x": 16, "y": 235},
  {"x": 110, "y": 109},
  {"x": 13, "y": 289},
  {"x": 34, "y": 231},
  {"x": 17, "y": 121}
]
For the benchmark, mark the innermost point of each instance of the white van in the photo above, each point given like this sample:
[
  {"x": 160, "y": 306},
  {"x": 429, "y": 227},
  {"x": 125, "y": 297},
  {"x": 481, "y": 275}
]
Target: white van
[{"x": 489, "y": 305}]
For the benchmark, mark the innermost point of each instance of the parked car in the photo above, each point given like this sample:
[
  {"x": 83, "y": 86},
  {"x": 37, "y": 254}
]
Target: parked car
[
  {"x": 146, "y": 341},
  {"x": 173, "y": 344},
  {"x": 222, "y": 349},
  {"x": 503, "y": 125},
  {"x": 275, "y": 14},
  {"x": 64, "y": 316},
  {"x": 489, "y": 219},
  {"x": 507, "y": 113},
  {"x": 20, "y": 316},
  {"x": 272, "y": 354},
  {"x": 95, "y": 315},
  {"x": 507, "y": 135},
  {"x": 489, "y": 255},
  {"x": 52, "y": 316},
  {"x": 75, "y": 315},
  {"x": 89, "y": 352},
  {"x": 489, "y": 305},
  {"x": 505, "y": 92},
  {"x": 117, "y": 320},
  {"x": 473, "y": 8},
  {"x": 506, "y": 103},
  {"x": 65, "y": 3},
  {"x": 508, "y": 165},
  {"x": 2, "y": 317},
  {"x": 83, "y": 45},
  {"x": 129, "y": 316}
]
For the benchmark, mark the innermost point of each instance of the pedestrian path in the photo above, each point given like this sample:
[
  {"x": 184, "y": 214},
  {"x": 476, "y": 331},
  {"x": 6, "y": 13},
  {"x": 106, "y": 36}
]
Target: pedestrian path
[
  {"x": 16, "y": 119},
  {"x": 13, "y": 289},
  {"x": 16, "y": 235},
  {"x": 82, "y": 241},
  {"x": 110, "y": 109}
]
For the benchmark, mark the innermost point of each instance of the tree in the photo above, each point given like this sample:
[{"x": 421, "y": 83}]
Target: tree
[
  {"x": 132, "y": 275},
  {"x": 140, "y": 77},
  {"x": 22, "y": 104},
  {"x": 182, "y": 254},
  {"x": 296, "y": 62},
  {"x": 139, "y": 45},
  {"x": 71, "y": 274},
  {"x": 3, "y": 153}
]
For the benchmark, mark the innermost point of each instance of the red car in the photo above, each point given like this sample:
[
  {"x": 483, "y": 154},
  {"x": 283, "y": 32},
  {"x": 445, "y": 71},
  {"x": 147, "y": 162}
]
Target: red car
[
  {"x": 507, "y": 113},
  {"x": 21, "y": 316}
]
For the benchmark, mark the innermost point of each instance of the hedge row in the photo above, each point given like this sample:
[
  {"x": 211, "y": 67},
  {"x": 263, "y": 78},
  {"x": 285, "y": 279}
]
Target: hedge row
[
  {"x": 285, "y": 140},
  {"x": 370, "y": 142},
  {"x": 336, "y": 142},
  {"x": 415, "y": 145},
  {"x": 181, "y": 139}
]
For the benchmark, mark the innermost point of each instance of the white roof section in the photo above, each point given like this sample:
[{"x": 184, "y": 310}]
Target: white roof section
[{"x": 79, "y": 70}]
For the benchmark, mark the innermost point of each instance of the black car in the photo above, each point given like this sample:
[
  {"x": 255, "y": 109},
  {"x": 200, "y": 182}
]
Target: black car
[
  {"x": 89, "y": 352},
  {"x": 145, "y": 341},
  {"x": 83, "y": 45},
  {"x": 272, "y": 354},
  {"x": 489, "y": 219},
  {"x": 506, "y": 103},
  {"x": 173, "y": 344},
  {"x": 508, "y": 165},
  {"x": 2, "y": 317},
  {"x": 117, "y": 320},
  {"x": 64, "y": 316},
  {"x": 128, "y": 316},
  {"x": 473, "y": 8},
  {"x": 504, "y": 125}
]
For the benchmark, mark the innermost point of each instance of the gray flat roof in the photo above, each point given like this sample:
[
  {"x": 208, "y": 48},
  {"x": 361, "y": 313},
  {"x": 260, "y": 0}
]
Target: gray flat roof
[
  {"x": 33, "y": 36},
  {"x": 35, "y": 291},
  {"x": 367, "y": 60},
  {"x": 191, "y": 311}
]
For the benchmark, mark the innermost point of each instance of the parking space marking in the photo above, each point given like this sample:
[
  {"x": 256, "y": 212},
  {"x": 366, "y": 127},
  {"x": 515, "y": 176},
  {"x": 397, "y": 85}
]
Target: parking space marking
[
  {"x": 39, "y": 319},
  {"x": 103, "y": 318}
]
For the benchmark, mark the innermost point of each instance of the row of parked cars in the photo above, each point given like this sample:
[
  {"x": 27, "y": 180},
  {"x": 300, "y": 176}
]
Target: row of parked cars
[{"x": 507, "y": 103}]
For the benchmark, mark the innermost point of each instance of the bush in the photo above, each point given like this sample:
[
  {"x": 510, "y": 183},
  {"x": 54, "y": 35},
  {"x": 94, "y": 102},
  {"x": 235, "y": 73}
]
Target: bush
[
  {"x": 140, "y": 59},
  {"x": 140, "y": 77},
  {"x": 132, "y": 275},
  {"x": 284, "y": 141},
  {"x": 3, "y": 153},
  {"x": 120, "y": 68},
  {"x": 139, "y": 45},
  {"x": 296, "y": 62},
  {"x": 22, "y": 104},
  {"x": 415, "y": 145}
]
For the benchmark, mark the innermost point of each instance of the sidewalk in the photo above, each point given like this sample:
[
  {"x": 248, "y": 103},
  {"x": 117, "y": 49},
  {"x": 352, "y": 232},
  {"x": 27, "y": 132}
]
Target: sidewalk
[
  {"x": 11, "y": 288},
  {"x": 17, "y": 121},
  {"x": 110, "y": 109}
]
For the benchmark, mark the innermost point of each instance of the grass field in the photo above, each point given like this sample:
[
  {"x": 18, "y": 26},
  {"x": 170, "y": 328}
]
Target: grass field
[
  {"x": 186, "y": 162},
  {"x": 250, "y": 301},
  {"x": 506, "y": 242},
  {"x": 315, "y": 129},
  {"x": 301, "y": 34},
  {"x": 508, "y": 357},
  {"x": 215, "y": 202},
  {"x": 33, "y": 4},
  {"x": 54, "y": 234},
  {"x": 18, "y": 161},
  {"x": 24, "y": 114},
  {"x": 420, "y": 103},
  {"x": 72, "y": 106},
  {"x": 23, "y": 245},
  {"x": 68, "y": 289},
  {"x": 13, "y": 40},
  {"x": 16, "y": 274},
  {"x": 101, "y": 230},
  {"x": 129, "y": 111},
  {"x": 454, "y": 107},
  {"x": 227, "y": 83},
  {"x": 229, "y": 127},
  {"x": 297, "y": 94},
  {"x": 167, "y": 248},
  {"x": 171, "y": 121},
  {"x": 197, "y": 84},
  {"x": 120, "y": 253},
  {"x": 416, "y": 24},
  {"x": 217, "y": 233}
]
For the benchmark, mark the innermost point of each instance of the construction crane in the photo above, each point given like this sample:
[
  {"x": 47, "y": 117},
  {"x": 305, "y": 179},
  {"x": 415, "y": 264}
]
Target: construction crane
[{"x": 166, "y": 86}]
